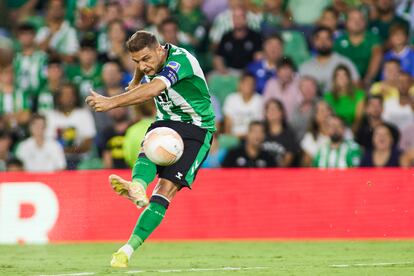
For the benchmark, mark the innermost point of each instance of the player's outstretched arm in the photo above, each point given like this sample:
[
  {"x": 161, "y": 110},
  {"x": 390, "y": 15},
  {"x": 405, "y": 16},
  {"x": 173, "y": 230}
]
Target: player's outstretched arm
[{"x": 137, "y": 95}]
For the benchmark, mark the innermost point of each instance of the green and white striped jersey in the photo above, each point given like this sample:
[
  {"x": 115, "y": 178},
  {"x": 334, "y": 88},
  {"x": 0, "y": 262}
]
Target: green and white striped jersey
[
  {"x": 19, "y": 100},
  {"x": 29, "y": 71},
  {"x": 187, "y": 97},
  {"x": 347, "y": 155}
]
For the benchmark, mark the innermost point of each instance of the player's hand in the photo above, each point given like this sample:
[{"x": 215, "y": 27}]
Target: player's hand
[{"x": 98, "y": 102}]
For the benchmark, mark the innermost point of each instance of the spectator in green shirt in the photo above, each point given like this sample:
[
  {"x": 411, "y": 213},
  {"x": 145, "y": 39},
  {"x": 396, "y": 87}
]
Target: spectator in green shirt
[
  {"x": 86, "y": 73},
  {"x": 362, "y": 47},
  {"x": 345, "y": 99},
  {"x": 338, "y": 152},
  {"x": 386, "y": 18}
]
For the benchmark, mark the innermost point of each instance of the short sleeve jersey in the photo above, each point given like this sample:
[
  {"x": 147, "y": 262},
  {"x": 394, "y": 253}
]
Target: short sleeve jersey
[{"x": 186, "y": 97}]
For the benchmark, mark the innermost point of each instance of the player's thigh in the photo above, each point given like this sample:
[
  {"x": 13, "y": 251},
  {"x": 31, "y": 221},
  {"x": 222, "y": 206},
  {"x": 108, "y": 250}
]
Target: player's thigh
[{"x": 197, "y": 144}]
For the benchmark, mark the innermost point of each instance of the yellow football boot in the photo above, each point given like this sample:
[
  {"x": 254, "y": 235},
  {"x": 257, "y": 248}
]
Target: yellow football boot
[
  {"x": 133, "y": 191},
  {"x": 119, "y": 260}
]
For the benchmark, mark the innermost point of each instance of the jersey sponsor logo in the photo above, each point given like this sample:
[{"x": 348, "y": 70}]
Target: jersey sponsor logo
[{"x": 174, "y": 65}]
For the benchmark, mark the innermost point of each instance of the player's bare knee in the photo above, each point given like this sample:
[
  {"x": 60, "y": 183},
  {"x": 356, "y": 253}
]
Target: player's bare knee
[{"x": 166, "y": 188}]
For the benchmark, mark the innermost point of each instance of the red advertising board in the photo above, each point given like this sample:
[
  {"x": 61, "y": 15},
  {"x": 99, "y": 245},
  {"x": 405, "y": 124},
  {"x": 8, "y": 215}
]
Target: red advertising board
[{"x": 235, "y": 203}]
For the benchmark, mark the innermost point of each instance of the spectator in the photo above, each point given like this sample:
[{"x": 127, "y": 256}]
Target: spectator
[
  {"x": 113, "y": 138},
  {"x": 265, "y": 68},
  {"x": 388, "y": 87},
  {"x": 274, "y": 16},
  {"x": 134, "y": 14},
  {"x": 240, "y": 108},
  {"x": 280, "y": 141},
  {"x": 346, "y": 100},
  {"x": 305, "y": 12},
  {"x": 44, "y": 100},
  {"x": 58, "y": 36},
  {"x": 362, "y": 47},
  {"x": 405, "y": 9},
  {"x": 87, "y": 73},
  {"x": 15, "y": 104},
  {"x": 317, "y": 134},
  {"x": 338, "y": 152},
  {"x": 322, "y": 66},
  {"x": 169, "y": 31},
  {"x": 116, "y": 49},
  {"x": 39, "y": 153},
  {"x": 192, "y": 22},
  {"x": 250, "y": 153},
  {"x": 5, "y": 149},
  {"x": 303, "y": 112},
  {"x": 373, "y": 117},
  {"x": 29, "y": 63},
  {"x": 386, "y": 17},
  {"x": 407, "y": 146},
  {"x": 407, "y": 141},
  {"x": 112, "y": 12},
  {"x": 400, "y": 111},
  {"x": 384, "y": 152},
  {"x": 400, "y": 48},
  {"x": 285, "y": 87},
  {"x": 238, "y": 47},
  {"x": 111, "y": 76},
  {"x": 71, "y": 125},
  {"x": 223, "y": 22},
  {"x": 329, "y": 19},
  {"x": 13, "y": 164}
]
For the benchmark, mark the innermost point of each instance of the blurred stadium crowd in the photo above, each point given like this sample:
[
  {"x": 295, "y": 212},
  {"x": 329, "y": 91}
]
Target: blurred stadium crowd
[{"x": 323, "y": 83}]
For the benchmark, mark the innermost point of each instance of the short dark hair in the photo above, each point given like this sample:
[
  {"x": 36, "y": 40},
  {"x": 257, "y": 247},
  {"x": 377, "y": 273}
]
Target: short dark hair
[
  {"x": 54, "y": 60},
  {"x": 89, "y": 42},
  {"x": 141, "y": 39},
  {"x": 256, "y": 123},
  {"x": 247, "y": 74},
  {"x": 393, "y": 60},
  {"x": 26, "y": 27},
  {"x": 273, "y": 36},
  {"x": 37, "y": 116},
  {"x": 399, "y": 27},
  {"x": 286, "y": 61},
  {"x": 169, "y": 20},
  {"x": 320, "y": 29},
  {"x": 374, "y": 97}
]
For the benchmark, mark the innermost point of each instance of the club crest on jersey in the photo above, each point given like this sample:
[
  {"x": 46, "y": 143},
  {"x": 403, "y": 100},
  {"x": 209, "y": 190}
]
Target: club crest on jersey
[{"x": 174, "y": 65}]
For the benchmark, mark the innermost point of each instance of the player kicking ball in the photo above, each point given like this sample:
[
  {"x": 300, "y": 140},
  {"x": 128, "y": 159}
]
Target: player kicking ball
[{"x": 174, "y": 79}]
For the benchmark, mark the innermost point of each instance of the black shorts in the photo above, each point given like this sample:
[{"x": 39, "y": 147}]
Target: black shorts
[{"x": 197, "y": 142}]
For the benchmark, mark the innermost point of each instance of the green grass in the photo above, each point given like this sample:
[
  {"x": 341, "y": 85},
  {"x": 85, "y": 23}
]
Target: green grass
[{"x": 274, "y": 258}]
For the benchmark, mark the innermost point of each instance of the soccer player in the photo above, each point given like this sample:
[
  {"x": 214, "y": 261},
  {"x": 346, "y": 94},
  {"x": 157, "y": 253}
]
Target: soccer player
[{"x": 173, "y": 78}]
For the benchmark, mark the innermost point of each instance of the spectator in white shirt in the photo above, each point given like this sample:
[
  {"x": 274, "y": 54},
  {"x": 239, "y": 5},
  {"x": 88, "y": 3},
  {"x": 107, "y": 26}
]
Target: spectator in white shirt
[
  {"x": 241, "y": 108},
  {"x": 38, "y": 153},
  {"x": 71, "y": 125}
]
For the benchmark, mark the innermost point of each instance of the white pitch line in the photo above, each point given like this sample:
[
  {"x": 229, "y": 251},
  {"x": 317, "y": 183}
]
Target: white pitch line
[
  {"x": 228, "y": 268},
  {"x": 70, "y": 274},
  {"x": 371, "y": 264}
]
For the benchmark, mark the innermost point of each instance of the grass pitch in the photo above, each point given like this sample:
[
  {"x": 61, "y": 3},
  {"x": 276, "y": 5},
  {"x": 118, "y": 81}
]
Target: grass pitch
[{"x": 216, "y": 258}]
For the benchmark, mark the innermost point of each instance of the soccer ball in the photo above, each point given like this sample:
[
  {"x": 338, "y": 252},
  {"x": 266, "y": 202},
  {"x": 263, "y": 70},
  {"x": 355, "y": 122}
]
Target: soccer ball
[{"x": 163, "y": 146}]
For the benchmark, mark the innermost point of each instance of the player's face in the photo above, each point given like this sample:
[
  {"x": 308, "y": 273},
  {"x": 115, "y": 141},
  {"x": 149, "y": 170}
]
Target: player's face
[{"x": 149, "y": 60}]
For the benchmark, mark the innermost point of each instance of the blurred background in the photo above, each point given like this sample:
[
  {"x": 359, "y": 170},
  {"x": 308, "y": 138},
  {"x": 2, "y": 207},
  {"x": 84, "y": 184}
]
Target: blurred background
[{"x": 294, "y": 83}]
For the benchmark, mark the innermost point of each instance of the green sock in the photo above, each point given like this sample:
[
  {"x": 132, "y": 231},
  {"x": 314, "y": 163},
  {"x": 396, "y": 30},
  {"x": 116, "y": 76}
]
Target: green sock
[
  {"x": 144, "y": 171},
  {"x": 150, "y": 218}
]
